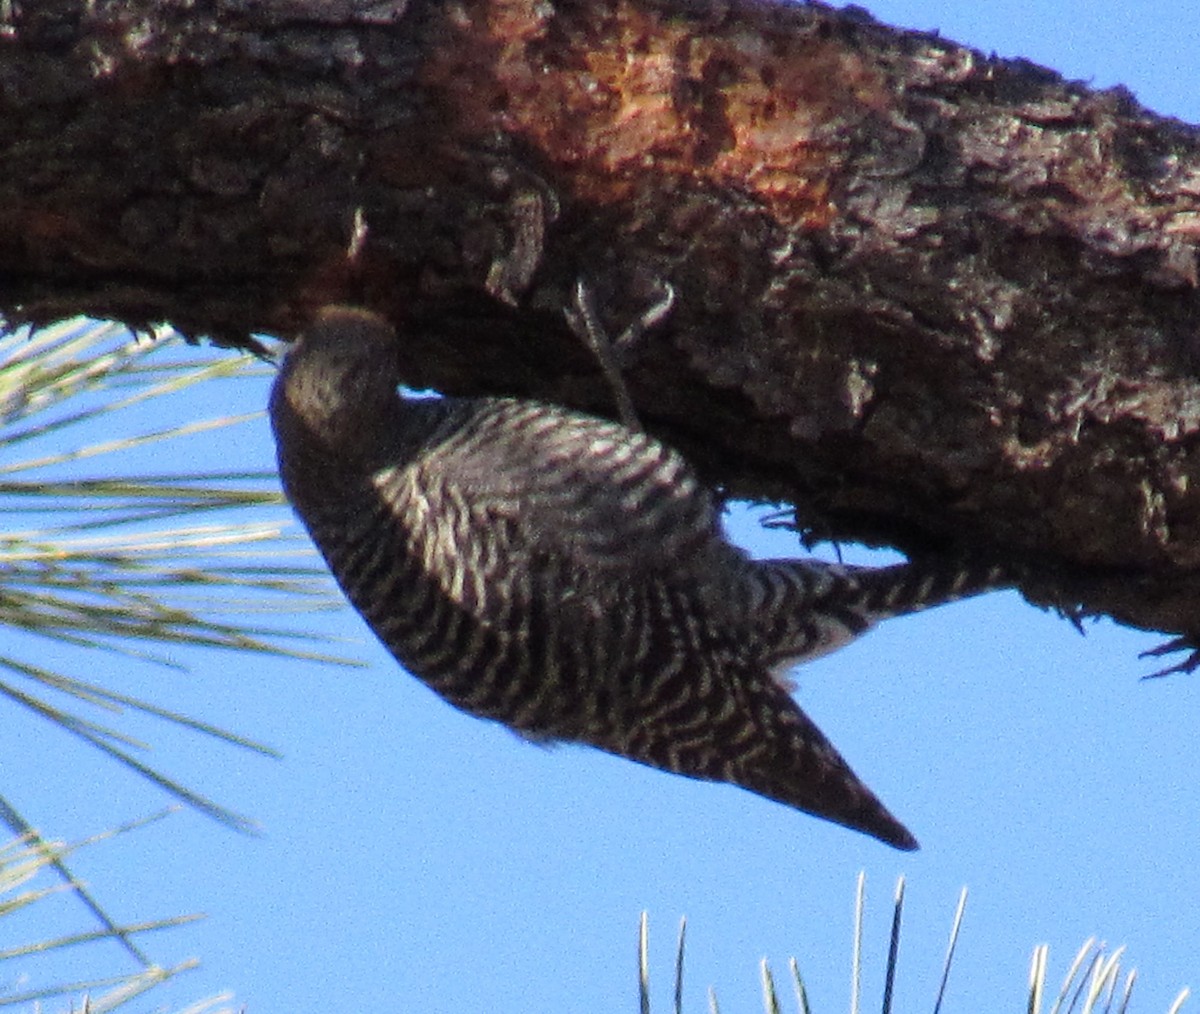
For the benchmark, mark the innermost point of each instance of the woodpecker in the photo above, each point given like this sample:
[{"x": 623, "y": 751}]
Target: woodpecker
[{"x": 567, "y": 576}]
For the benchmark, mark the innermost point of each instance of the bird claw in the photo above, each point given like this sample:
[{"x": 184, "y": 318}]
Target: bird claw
[
  {"x": 1186, "y": 643},
  {"x": 584, "y": 319}
]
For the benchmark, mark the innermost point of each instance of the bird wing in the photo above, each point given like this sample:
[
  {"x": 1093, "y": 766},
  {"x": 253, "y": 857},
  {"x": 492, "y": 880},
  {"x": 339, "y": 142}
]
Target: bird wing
[{"x": 588, "y": 492}]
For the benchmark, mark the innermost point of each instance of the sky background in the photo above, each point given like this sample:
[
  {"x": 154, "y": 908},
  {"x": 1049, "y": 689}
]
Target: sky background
[{"x": 414, "y": 859}]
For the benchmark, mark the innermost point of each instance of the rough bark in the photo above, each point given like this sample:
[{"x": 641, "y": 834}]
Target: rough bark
[{"x": 939, "y": 301}]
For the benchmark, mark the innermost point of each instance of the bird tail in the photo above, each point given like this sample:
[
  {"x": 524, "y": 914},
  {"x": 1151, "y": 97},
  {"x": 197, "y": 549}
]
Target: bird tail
[
  {"x": 807, "y": 608},
  {"x": 801, "y": 768}
]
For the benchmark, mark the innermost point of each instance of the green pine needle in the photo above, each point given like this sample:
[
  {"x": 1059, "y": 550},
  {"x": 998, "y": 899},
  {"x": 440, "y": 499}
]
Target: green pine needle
[
  {"x": 133, "y": 565},
  {"x": 25, "y": 860},
  {"x": 120, "y": 562},
  {"x": 1092, "y": 984}
]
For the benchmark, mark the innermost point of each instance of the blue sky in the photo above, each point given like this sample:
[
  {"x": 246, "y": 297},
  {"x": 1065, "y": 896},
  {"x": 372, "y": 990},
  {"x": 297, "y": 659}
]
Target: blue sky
[{"x": 414, "y": 859}]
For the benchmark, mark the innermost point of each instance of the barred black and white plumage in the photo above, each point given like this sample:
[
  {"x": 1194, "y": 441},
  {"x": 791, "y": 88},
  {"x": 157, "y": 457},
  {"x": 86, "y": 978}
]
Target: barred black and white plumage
[{"x": 567, "y": 576}]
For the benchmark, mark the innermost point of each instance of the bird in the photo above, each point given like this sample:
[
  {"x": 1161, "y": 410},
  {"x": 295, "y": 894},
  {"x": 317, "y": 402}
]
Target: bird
[{"x": 567, "y": 575}]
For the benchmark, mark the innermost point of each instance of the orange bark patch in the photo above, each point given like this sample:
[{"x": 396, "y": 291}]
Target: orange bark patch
[{"x": 747, "y": 103}]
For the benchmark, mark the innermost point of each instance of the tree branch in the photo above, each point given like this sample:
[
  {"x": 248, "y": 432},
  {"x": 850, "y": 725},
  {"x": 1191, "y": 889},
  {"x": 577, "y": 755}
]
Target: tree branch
[{"x": 939, "y": 301}]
